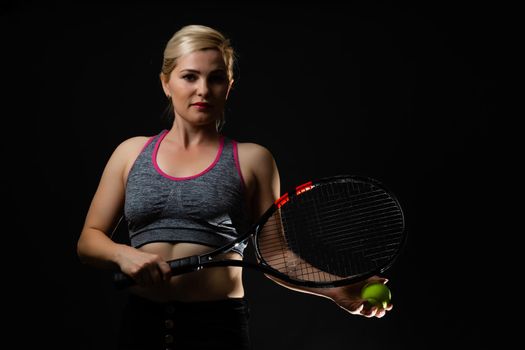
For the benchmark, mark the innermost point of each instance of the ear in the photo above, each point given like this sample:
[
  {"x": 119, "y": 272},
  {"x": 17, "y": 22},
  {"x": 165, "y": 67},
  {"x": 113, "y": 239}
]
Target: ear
[
  {"x": 164, "y": 79},
  {"x": 229, "y": 88}
]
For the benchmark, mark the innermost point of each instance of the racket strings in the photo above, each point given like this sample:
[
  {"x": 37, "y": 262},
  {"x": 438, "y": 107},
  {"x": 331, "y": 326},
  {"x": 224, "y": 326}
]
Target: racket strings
[
  {"x": 337, "y": 223},
  {"x": 332, "y": 233},
  {"x": 358, "y": 233},
  {"x": 359, "y": 220}
]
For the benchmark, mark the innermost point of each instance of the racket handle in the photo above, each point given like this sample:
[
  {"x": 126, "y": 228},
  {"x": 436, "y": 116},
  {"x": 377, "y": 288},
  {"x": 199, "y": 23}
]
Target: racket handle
[
  {"x": 188, "y": 264},
  {"x": 178, "y": 267}
]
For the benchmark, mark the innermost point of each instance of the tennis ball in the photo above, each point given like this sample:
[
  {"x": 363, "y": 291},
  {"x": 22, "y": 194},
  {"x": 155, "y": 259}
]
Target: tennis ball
[{"x": 376, "y": 294}]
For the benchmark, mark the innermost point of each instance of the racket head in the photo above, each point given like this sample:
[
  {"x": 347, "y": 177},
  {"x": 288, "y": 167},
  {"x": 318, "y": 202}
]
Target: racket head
[{"x": 331, "y": 232}]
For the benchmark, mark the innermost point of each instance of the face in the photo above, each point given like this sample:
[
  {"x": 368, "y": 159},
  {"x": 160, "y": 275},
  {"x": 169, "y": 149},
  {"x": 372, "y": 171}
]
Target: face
[{"x": 199, "y": 87}]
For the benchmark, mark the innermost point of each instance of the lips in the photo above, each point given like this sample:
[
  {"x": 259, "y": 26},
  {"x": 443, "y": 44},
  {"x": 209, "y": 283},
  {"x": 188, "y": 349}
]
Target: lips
[{"x": 202, "y": 104}]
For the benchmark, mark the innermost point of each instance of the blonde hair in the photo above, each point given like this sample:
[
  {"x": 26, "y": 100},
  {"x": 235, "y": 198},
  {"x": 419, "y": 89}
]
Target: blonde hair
[{"x": 193, "y": 38}]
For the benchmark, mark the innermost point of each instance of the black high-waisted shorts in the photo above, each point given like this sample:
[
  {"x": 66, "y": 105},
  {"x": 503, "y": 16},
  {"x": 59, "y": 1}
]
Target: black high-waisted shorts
[{"x": 218, "y": 324}]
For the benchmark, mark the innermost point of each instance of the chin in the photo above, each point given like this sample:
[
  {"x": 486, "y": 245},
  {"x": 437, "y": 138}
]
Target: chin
[{"x": 204, "y": 122}]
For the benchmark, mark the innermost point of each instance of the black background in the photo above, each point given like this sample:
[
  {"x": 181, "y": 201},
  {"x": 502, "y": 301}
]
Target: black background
[{"x": 400, "y": 92}]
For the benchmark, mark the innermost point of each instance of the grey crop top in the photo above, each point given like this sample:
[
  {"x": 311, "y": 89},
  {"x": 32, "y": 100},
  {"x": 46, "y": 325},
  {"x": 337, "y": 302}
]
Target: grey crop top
[{"x": 207, "y": 208}]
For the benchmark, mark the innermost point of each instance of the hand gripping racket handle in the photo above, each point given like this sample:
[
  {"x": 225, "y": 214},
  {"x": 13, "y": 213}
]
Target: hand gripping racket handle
[{"x": 178, "y": 266}]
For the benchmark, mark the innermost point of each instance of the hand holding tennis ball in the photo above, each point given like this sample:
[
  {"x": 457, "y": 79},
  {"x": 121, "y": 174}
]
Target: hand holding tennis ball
[{"x": 377, "y": 294}]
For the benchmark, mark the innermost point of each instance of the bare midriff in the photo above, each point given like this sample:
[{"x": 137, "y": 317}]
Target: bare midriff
[{"x": 207, "y": 284}]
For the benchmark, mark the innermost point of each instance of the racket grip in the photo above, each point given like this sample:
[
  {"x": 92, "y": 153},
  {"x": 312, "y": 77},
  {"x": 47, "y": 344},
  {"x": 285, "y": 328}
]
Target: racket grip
[
  {"x": 178, "y": 267},
  {"x": 188, "y": 264}
]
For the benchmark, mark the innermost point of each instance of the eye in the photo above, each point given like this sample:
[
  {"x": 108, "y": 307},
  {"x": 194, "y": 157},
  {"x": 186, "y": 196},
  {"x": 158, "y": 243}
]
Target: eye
[
  {"x": 189, "y": 77},
  {"x": 218, "y": 78}
]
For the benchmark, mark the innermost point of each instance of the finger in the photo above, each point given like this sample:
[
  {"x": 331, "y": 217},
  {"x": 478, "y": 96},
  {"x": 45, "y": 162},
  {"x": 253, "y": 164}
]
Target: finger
[
  {"x": 369, "y": 312},
  {"x": 380, "y": 313},
  {"x": 150, "y": 275},
  {"x": 165, "y": 271},
  {"x": 139, "y": 277},
  {"x": 155, "y": 274},
  {"x": 355, "y": 310}
]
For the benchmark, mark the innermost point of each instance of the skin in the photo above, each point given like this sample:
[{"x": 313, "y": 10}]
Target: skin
[{"x": 190, "y": 146}]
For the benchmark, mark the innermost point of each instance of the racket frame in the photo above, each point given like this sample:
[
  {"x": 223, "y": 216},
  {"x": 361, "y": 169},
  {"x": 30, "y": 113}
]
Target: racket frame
[{"x": 198, "y": 262}]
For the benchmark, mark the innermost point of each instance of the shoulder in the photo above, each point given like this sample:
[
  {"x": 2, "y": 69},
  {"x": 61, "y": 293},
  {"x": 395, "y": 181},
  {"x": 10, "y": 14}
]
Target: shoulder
[
  {"x": 253, "y": 152},
  {"x": 124, "y": 155},
  {"x": 132, "y": 145},
  {"x": 129, "y": 149},
  {"x": 262, "y": 176},
  {"x": 257, "y": 161}
]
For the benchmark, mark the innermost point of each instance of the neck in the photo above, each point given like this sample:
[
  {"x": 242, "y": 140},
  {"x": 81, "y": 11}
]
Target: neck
[{"x": 187, "y": 136}]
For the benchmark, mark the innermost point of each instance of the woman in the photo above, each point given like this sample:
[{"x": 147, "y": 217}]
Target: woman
[{"x": 184, "y": 191}]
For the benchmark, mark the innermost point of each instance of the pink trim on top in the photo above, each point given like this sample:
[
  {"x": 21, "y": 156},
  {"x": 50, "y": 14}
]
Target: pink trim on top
[
  {"x": 142, "y": 150},
  {"x": 159, "y": 170},
  {"x": 147, "y": 143},
  {"x": 237, "y": 164}
]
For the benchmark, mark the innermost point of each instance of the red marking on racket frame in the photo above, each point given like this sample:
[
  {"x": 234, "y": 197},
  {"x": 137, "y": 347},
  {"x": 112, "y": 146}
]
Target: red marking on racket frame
[
  {"x": 304, "y": 187},
  {"x": 283, "y": 199},
  {"x": 298, "y": 190}
]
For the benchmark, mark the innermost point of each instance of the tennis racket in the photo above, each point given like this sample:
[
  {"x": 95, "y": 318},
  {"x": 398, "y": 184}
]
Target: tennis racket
[{"x": 324, "y": 233}]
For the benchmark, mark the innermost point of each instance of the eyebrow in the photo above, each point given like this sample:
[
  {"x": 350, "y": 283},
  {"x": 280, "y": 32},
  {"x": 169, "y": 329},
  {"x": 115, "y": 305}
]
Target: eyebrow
[{"x": 198, "y": 72}]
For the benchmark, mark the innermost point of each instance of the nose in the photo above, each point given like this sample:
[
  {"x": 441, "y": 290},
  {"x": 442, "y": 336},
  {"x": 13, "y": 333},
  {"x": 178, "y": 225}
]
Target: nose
[{"x": 202, "y": 88}]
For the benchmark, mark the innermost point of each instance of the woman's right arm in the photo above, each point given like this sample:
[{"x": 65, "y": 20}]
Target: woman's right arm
[{"x": 94, "y": 246}]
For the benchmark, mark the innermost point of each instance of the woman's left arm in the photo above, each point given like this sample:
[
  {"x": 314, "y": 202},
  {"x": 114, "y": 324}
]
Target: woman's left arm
[{"x": 266, "y": 190}]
